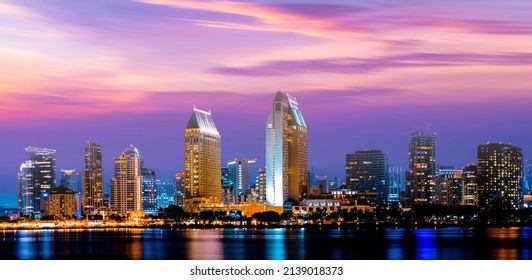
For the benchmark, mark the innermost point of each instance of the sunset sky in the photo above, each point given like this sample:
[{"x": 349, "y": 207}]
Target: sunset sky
[{"x": 366, "y": 74}]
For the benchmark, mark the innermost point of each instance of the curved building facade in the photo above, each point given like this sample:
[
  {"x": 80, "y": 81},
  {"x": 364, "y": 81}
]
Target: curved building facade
[{"x": 286, "y": 152}]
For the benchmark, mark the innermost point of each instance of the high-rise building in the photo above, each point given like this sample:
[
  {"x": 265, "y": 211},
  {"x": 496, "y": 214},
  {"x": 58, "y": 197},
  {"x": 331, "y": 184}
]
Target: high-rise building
[
  {"x": 72, "y": 180},
  {"x": 469, "y": 185},
  {"x": 239, "y": 176},
  {"x": 165, "y": 193},
  {"x": 36, "y": 179},
  {"x": 126, "y": 184},
  {"x": 92, "y": 178},
  {"x": 286, "y": 152},
  {"x": 527, "y": 176},
  {"x": 260, "y": 186},
  {"x": 396, "y": 183},
  {"x": 500, "y": 175},
  {"x": 367, "y": 171},
  {"x": 420, "y": 178},
  {"x": 202, "y": 157},
  {"x": 180, "y": 189},
  {"x": 149, "y": 191},
  {"x": 61, "y": 202},
  {"x": 227, "y": 186},
  {"x": 449, "y": 185}
]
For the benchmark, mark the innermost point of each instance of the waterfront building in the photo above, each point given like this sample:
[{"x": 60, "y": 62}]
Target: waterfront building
[
  {"x": 469, "y": 185},
  {"x": 72, "y": 180},
  {"x": 227, "y": 186},
  {"x": 126, "y": 183},
  {"x": 92, "y": 179},
  {"x": 396, "y": 183},
  {"x": 165, "y": 193},
  {"x": 239, "y": 177},
  {"x": 500, "y": 175},
  {"x": 286, "y": 152},
  {"x": 35, "y": 179},
  {"x": 180, "y": 189},
  {"x": 367, "y": 171},
  {"x": 202, "y": 157},
  {"x": 420, "y": 178},
  {"x": 149, "y": 191},
  {"x": 449, "y": 185},
  {"x": 260, "y": 186},
  {"x": 527, "y": 176},
  {"x": 61, "y": 202}
]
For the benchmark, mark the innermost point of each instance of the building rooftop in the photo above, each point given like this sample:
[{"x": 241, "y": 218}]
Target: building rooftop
[{"x": 203, "y": 121}]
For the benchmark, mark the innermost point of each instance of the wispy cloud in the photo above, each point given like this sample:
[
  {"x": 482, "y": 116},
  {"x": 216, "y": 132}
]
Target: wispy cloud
[{"x": 364, "y": 65}]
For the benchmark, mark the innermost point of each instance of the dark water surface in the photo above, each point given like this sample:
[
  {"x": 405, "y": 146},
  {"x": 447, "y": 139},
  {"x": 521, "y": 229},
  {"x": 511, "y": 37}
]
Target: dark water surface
[{"x": 268, "y": 244}]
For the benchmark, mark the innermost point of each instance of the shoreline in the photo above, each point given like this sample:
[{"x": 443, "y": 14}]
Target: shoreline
[{"x": 357, "y": 226}]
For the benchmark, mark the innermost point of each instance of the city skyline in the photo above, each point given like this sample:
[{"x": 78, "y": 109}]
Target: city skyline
[{"x": 366, "y": 76}]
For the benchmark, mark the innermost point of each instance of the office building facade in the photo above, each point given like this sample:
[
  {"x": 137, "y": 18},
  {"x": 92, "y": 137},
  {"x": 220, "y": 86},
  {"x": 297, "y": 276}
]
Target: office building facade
[
  {"x": 202, "y": 157},
  {"x": 92, "y": 178},
  {"x": 35, "y": 180},
  {"x": 126, "y": 184},
  {"x": 239, "y": 176},
  {"x": 499, "y": 175},
  {"x": 367, "y": 171},
  {"x": 421, "y": 176},
  {"x": 286, "y": 152}
]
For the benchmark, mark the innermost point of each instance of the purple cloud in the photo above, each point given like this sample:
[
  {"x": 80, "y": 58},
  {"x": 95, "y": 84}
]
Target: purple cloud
[{"x": 354, "y": 65}]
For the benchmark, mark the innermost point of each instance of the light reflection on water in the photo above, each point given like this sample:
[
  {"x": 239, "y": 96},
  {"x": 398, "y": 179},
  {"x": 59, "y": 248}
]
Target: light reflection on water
[{"x": 268, "y": 244}]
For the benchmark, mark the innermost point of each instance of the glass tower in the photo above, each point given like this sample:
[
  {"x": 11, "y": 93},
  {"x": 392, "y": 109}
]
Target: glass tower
[
  {"x": 36, "y": 179},
  {"x": 149, "y": 191},
  {"x": 286, "y": 152},
  {"x": 239, "y": 175},
  {"x": 367, "y": 171}
]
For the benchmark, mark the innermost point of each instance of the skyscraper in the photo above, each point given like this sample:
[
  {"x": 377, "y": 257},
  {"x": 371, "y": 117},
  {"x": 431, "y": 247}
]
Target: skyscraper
[
  {"x": 71, "y": 179},
  {"x": 239, "y": 176},
  {"x": 469, "y": 185},
  {"x": 286, "y": 152},
  {"x": 202, "y": 157},
  {"x": 395, "y": 183},
  {"x": 367, "y": 171},
  {"x": 449, "y": 185},
  {"x": 420, "y": 178},
  {"x": 36, "y": 179},
  {"x": 149, "y": 191},
  {"x": 165, "y": 193},
  {"x": 126, "y": 184},
  {"x": 180, "y": 189},
  {"x": 92, "y": 178},
  {"x": 260, "y": 186},
  {"x": 500, "y": 175}
]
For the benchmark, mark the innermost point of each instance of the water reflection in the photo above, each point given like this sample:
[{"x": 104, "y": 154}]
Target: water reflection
[
  {"x": 268, "y": 244},
  {"x": 204, "y": 244},
  {"x": 275, "y": 247}
]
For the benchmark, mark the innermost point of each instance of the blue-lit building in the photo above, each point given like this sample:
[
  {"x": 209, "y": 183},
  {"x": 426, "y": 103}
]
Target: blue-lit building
[
  {"x": 287, "y": 175},
  {"x": 396, "y": 183},
  {"x": 165, "y": 193},
  {"x": 35, "y": 180},
  {"x": 239, "y": 176},
  {"x": 149, "y": 191}
]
